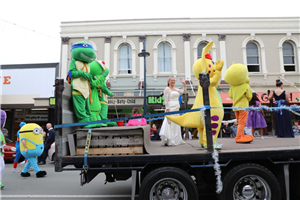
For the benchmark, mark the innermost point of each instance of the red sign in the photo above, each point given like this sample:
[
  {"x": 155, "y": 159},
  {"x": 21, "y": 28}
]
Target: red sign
[{"x": 263, "y": 97}]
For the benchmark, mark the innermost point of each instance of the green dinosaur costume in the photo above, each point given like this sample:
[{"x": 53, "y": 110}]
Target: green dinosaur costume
[
  {"x": 81, "y": 80},
  {"x": 98, "y": 105},
  {"x": 103, "y": 91}
]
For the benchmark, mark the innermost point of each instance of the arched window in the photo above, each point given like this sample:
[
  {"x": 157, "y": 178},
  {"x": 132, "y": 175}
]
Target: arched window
[
  {"x": 199, "y": 49},
  {"x": 164, "y": 58},
  {"x": 125, "y": 59},
  {"x": 288, "y": 56},
  {"x": 252, "y": 57}
]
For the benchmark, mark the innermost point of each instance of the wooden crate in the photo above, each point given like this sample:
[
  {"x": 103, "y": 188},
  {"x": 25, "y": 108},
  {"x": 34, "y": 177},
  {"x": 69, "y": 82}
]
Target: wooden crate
[
  {"x": 111, "y": 141},
  {"x": 111, "y": 151}
]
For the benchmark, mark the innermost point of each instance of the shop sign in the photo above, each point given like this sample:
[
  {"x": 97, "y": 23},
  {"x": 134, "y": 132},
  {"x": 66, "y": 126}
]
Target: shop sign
[
  {"x": 156, "y": 100},
  {"x": 52, "y": 101},
  {"x": 126, "y": 101},
  {"x": 263, "y": 97},
  {"x": 6, "y": 79}
]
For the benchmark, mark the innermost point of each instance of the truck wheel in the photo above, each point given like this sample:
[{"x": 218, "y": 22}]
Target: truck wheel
[
  {"x": 250, "y": 181},
  {"x": 168, "y": 183}
]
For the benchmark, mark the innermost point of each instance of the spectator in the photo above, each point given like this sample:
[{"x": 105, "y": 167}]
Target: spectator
[
  {"x": 234, "y": 128},
  {"x": 296, "y": 128},
  {"x": 136, "y": 122},
  {"x": 154, "y": 132},
  {"x": 226, "y": 130},
  {"x": 49, "y": 140},
  {"x": 184, "y": 135}
]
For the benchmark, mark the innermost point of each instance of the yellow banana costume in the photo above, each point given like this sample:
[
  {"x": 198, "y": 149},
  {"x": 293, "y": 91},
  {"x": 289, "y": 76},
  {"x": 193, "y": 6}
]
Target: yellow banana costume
[{"x": 195, "y": 119}]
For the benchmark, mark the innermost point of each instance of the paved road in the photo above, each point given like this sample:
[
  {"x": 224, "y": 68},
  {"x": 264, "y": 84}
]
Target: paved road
[{"x": 60, "y": 185}]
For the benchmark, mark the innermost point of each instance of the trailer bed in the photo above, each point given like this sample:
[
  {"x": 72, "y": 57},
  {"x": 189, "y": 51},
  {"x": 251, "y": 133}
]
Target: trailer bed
[{"x": 271, "y": 147}]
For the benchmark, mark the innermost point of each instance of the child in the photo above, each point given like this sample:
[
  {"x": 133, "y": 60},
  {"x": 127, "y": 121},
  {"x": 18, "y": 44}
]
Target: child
[
  {"x": 136, "y": 122},
  {"x": 2, "y": 145},
  {"x": 255, "y": 118},
  {"x": 296, "y": 128}
]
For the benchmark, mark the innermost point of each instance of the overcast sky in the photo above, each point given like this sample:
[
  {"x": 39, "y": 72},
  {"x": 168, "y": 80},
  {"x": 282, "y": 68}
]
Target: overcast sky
[{"x": 29, "y": 29}]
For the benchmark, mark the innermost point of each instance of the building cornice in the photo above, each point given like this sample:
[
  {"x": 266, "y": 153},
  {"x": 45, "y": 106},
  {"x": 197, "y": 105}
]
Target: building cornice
[{"x": 178, "y": 26}]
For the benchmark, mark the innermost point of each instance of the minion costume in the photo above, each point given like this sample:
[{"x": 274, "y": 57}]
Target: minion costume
[
  {"x": 240, "y": 92},
  {"x": 195, "y": 119},
  {"x": 31, "y": 137},
  {"x": 80, "y": 78},
  {"x": 2, "y": 145}
]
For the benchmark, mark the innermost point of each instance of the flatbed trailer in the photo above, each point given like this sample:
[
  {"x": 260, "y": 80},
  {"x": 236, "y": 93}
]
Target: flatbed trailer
[{"x": 263, "y": 169}]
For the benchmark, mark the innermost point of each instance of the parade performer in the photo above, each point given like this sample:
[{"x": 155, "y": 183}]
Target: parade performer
[
  {"x": 80, "y": 78},
  {"x": 31, "y": 146},
  {"x": 103, "y": 91},
  {"x": 98, "y": 105},
  {"x": 195, "y": 119},
  {"x": 2, "y": 145},
  {"x": 240, "y": 92},
  {"x": 18, "y": 152}
]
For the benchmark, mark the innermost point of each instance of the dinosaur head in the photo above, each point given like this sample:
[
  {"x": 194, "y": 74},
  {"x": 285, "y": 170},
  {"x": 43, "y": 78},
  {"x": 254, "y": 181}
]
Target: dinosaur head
[
  {"x": 83, "y": 51},
  {"x": 205, "y": 63},
  {"x": 97, "y": 67},
  {"x": 237, "y": 74}
]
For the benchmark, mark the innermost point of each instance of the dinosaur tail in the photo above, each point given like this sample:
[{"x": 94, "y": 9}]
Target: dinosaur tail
[{"x": 191, "y": 120}]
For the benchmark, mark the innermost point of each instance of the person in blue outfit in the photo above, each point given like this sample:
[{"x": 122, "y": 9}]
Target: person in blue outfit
[
  {"x": 282, "y": 117},
  {"x": 296, "y": 128},
  {"x": 18, "y": 152}
]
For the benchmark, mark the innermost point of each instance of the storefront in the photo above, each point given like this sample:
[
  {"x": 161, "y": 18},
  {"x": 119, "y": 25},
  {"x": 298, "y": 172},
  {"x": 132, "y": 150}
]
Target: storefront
[{"x": 23, "y": 88}]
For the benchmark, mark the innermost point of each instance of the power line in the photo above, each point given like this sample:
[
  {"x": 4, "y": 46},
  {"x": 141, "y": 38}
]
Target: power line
[{"x": 30, "y": 29}]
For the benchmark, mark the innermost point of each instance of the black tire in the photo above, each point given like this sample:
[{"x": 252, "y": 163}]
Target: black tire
[
  {"x": 252, "y": 181},
  {"x": 160, "y": 181}
]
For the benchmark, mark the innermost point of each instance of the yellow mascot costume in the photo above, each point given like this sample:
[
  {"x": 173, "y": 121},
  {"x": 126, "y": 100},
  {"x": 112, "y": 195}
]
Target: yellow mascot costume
[
  {"x": 195, "y": 119},
  {"x": 240, "y": 92}
]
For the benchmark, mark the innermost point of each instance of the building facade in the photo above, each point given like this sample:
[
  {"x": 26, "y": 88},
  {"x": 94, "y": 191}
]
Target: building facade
[{"x": 269, "y": 47}]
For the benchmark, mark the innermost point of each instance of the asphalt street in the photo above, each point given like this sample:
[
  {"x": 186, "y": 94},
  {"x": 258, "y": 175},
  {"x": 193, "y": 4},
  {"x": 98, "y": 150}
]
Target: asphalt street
[{"x": 60, "y": 185}]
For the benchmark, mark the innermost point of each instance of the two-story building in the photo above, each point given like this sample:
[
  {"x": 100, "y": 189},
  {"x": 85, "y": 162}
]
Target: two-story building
[{"x": 269, "y": 47}]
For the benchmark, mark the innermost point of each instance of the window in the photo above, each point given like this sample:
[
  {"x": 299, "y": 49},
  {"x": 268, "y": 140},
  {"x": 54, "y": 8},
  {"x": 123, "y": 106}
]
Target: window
[
  {"x": 252, "y": 57},
  {"x": 288, "y": 57},
  {"x": 125, "y": 62},
  {"x": 164, "y": 58},
  {"x": 199, "y": 49},
  {"x": 119, "y": 94}
]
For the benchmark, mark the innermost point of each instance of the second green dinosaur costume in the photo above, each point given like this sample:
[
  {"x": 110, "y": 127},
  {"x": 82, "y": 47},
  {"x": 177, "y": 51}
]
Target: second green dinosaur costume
[{"x": 98, "y": 106}]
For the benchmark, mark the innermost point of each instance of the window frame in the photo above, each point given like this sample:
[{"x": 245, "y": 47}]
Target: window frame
[
  {"x": 294, "y": 57},
  {"x": 259, "y": 57},
  {"x": 130, "y": 60},
  {"x": 164, "y": 58}
]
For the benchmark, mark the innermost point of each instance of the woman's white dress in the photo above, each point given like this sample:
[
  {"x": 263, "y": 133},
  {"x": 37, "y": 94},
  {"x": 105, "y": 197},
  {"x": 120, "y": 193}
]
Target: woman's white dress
[{"x": 171, "y": 133}]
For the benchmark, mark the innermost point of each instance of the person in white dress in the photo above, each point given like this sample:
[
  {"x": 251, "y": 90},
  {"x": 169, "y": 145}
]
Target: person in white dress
[{"x": 170, "y": 133}]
